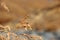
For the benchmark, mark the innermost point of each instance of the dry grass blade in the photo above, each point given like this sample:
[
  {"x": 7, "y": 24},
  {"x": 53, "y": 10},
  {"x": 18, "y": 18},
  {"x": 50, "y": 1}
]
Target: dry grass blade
[
  {"x": 4, "y": 6},
  {"x": 36, "y": 37},
  {"x": 25, "y": 37}
]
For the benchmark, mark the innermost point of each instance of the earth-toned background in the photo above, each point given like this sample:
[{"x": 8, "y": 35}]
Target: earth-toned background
[{"x": 31, "y": 17}]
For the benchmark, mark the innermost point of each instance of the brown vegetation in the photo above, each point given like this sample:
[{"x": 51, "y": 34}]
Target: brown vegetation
[{"x": 29, "y": 15}]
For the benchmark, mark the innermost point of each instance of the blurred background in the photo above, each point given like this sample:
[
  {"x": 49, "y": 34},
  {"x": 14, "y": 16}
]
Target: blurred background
[{"x": 31, "y": 17}]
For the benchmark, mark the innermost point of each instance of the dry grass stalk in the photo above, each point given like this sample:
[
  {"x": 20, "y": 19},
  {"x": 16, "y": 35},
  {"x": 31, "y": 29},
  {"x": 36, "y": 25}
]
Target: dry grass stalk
[
  {"x": 36, "y": 37},
  {"x": 3, "y": 4},
  {"x": 25, "y": 37}
]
